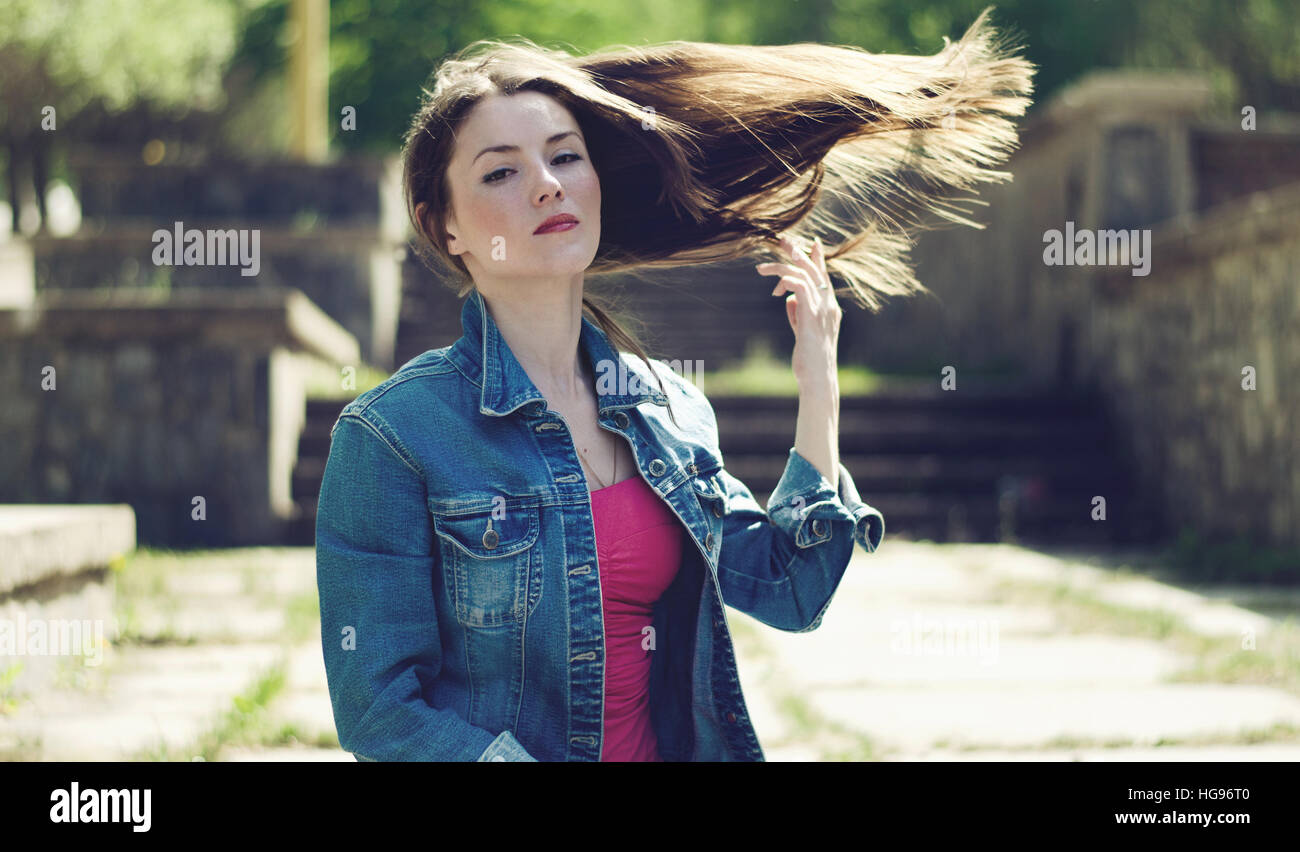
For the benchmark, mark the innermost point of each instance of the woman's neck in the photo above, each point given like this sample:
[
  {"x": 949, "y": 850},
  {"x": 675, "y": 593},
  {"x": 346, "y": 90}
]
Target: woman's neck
[{"x": 543, "y": 331}]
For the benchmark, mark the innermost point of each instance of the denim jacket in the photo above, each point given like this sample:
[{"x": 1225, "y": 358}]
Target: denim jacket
[{"x": 461, "y": 611}]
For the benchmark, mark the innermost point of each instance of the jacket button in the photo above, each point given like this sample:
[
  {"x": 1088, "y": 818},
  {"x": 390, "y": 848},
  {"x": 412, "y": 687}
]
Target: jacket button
[
  {"x": 621, "y": 419},
  {"x": 708, "y": 541},
  {"x": 818, "y": 527},
  {"x": 657, "y": 467},
  {"x": 731, "y": 717},
  {"x": 490, "y": 538},
  {"x": 717, "y": 509}
]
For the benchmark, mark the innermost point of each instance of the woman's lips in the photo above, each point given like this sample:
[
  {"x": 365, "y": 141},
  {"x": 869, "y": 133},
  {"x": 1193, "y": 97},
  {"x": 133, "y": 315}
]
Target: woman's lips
[{"x": 563, "y": 226}]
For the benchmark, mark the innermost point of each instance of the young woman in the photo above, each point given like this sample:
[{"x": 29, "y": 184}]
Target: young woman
[{"x": 525, "y": 540}]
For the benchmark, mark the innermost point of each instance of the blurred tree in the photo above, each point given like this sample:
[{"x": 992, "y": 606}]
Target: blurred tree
[
  {"x": 383, "y": 50},
  {"x": 210, "y": 74},
  {"x": 61, "y": 60},
  {"x": 1250, "y": 48}
]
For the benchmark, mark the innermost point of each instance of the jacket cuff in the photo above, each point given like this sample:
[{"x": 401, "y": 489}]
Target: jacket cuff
[
  {"x": 805, "y": 504},
  {"x": 506, "y": 747}
]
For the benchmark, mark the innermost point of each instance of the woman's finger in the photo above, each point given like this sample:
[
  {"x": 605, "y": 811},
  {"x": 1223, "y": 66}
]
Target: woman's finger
[
  {"x": 800, "y": 289},
  {"x": 819, "y": 257},
  {"x": 805, "y": 263},
  {"x": 791, "y": 283},
  {"x": 773, "y": 267}
]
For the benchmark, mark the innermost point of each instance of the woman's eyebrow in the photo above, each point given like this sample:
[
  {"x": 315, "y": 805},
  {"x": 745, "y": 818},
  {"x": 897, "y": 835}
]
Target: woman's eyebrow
[{"x": 556, "y": 138}]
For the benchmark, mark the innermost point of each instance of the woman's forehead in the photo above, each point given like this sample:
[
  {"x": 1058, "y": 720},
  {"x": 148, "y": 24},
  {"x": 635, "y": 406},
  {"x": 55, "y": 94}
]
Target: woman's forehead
[{"x": 513, "y": 119}]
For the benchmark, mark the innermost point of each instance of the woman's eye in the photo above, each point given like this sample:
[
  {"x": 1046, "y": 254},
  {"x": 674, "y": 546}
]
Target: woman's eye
[{"x": 491, "y": 177}]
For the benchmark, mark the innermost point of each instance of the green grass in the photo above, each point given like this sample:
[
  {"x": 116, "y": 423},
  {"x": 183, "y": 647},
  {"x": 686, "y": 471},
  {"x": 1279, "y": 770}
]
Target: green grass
[
  {"x": 302, "y": 617},
  {"x": 10, "y": 695},
  {"x": 759, "y": 373},
  {"x": 246, "y": 722},
  {"x": 1275, "y": 661},
  {"x": 1238, "y": 559},
  {"x": 833, "y": 740},
  {"x": 763, "y": 374}
]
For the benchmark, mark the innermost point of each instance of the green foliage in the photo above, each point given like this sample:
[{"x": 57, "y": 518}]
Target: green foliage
[
  {"x": 1235, "y": 559},
  {"x": 231, "y": 55},
  {"x": 69, "y": 52},
  {"x": 9, "y": 697}
]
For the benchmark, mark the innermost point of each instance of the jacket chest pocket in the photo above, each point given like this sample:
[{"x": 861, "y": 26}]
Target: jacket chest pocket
[{"x": 488, "y": 561}]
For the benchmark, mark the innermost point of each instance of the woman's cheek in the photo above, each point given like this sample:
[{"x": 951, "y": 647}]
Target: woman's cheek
[{"x": 496, "y": 228}]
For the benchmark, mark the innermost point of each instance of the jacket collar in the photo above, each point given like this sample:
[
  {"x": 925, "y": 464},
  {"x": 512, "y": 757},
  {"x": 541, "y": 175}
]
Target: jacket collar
[{"x": 483, "y": 356}]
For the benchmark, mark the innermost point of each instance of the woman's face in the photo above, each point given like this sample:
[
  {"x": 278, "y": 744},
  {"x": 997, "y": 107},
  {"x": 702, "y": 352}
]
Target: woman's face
[{"x": 500, "y": 197}]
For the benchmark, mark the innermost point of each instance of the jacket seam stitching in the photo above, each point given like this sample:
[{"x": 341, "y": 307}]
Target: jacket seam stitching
[
  {"x": 358, "y": 416},
  {"x": 396, "y": 380}
]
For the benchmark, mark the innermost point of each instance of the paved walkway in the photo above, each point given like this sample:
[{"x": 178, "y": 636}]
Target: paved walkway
[
  {"x": 221, "y": 624},
  {"x": 928, "y": 652},
  {"x": 993, "y": 652}
]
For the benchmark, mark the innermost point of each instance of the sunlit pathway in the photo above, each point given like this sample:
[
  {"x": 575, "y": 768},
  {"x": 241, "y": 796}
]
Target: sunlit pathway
[
  {"x": 928, "y": 652},
  {"x": 993, "y": 652}
]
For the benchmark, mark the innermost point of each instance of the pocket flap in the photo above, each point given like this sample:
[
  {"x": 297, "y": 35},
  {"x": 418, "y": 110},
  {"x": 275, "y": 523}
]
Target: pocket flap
[{"x": 488, "y": 533}]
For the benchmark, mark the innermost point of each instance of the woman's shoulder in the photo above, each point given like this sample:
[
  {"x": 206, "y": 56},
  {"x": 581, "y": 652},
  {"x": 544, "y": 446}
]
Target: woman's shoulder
[{"x": 415, "y": 384}]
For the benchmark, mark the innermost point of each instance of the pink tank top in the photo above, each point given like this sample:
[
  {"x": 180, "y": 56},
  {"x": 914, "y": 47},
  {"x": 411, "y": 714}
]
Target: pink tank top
[{"x": 639, "y": 549}]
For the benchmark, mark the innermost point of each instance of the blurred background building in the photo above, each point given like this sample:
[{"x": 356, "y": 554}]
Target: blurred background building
[{"x": 1090, "y": 405}]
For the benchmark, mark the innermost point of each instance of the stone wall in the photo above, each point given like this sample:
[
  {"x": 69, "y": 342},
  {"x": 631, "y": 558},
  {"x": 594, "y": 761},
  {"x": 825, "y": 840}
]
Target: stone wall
[
  {"x": 158, "y": 399},
  {"x": 1139, "y": 151},
  {"x": 335, "y": 231},
  {"x": 1169, "y": 350}
]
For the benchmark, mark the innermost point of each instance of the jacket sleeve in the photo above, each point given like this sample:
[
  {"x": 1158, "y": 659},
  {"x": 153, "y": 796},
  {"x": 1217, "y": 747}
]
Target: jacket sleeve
[
  {"x": 781, "y": 566},
  {"x": 379, "y": 626}
]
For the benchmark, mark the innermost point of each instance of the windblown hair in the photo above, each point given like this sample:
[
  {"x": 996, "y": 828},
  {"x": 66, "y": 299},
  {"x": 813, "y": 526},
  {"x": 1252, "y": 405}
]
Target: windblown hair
[{"x": 709, "y": 152}]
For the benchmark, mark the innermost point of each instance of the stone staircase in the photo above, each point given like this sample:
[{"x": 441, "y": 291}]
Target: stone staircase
[
  {"x": 309, "y": 472},
  {"x": 979, "y": 465}
]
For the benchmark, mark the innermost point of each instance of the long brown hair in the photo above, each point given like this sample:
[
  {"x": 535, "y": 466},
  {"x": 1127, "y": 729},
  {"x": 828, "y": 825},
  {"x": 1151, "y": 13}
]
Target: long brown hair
[{"x": 708, "y": 152}]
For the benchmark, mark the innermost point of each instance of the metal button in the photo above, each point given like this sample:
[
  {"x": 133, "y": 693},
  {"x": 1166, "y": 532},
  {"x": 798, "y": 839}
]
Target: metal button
[
  {"x": 818, "y": 527},
  {"x": 657, "y": 467},
  {"x": 621, "y": 419},
  {"x": 692, "y": 468},
  {"x": 490, "y": 538},
  {"x": 717, "y": 509},
  {"x": 708, "y": 541}
]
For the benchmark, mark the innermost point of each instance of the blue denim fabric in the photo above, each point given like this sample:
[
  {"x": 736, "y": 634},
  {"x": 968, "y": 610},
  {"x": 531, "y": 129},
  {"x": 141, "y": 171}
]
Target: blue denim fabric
[{"x": 461, "y": 614}]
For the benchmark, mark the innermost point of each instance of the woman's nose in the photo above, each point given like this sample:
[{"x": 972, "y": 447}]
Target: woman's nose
[{"x": 550, "y": 184}]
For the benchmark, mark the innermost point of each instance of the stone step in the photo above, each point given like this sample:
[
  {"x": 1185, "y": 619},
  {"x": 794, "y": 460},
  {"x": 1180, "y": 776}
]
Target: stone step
[{"x": 353, "y": 191}]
